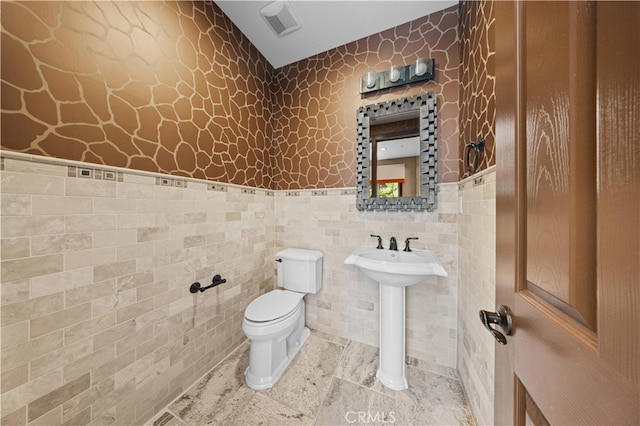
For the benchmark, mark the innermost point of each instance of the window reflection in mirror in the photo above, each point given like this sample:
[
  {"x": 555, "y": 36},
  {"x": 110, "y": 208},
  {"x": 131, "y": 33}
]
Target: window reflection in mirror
[{"x": 395, "y": 152}]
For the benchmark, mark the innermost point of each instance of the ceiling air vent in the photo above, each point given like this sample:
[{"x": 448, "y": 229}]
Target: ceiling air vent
[{"x": 280, "y": 17}]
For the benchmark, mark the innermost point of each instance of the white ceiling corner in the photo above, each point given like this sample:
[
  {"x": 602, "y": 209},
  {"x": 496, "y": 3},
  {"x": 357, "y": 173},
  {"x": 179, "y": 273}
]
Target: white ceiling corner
[{"x": 326, "y": 24}]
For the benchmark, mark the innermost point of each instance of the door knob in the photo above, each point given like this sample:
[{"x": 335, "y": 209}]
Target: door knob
[{"x": 502, "y": 318}]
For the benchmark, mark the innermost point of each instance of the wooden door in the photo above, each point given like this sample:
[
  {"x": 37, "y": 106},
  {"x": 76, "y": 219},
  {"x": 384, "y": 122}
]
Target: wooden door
[{"x": 568, "y": 212}]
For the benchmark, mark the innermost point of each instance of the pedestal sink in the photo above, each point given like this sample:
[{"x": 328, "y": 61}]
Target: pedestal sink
[{"x": 394, "y": 271}]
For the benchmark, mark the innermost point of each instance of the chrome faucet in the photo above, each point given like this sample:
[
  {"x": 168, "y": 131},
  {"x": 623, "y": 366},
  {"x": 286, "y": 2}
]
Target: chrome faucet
[{"x": 393, "y": 244}]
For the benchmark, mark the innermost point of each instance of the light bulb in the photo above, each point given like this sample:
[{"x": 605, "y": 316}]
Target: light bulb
[
  {"x": 394, "y": 74},
  {"x": 421, "y": 67},
  {"x": 370, "y": 79}
]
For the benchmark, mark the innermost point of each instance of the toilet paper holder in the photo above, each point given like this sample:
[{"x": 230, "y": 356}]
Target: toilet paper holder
[{"x": 216, "y": 280}]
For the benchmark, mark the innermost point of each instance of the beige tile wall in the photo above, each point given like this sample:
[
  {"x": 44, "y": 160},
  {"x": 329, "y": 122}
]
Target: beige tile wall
[
  {"x": 98, "y": 324},
  {"x": 477, "y": 254},
  {"x": 348, "y": 305}
]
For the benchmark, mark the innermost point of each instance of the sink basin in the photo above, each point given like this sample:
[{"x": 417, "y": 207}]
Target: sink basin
[
  {"x": 395, "y": 271},
  {"x": 396, "y": 268}
]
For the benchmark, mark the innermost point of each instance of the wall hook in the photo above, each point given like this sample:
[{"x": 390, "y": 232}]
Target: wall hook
[{"x": 478, "y": 150}]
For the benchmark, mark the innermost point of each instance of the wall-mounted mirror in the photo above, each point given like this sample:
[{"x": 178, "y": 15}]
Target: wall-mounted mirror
[{"x": 397, "y": 154}]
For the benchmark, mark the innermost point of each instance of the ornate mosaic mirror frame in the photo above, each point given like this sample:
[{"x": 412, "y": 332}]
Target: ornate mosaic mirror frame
[{"x": 426, "y": 106}]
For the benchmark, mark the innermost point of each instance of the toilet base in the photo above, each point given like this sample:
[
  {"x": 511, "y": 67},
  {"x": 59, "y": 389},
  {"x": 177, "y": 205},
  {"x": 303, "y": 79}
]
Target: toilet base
[{"x": 291, "y": 348}]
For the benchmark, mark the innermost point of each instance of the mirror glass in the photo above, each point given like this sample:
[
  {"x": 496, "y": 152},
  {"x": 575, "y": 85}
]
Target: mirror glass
[{"x": 397, "y": 143}]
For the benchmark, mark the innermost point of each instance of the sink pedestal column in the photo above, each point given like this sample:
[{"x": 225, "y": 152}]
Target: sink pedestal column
[{"x": 392, "y": 360}]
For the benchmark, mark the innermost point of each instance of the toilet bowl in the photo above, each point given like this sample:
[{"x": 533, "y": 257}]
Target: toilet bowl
[
  {"x": 274, "y": 342},
  {"x": 274, "y": 323}
]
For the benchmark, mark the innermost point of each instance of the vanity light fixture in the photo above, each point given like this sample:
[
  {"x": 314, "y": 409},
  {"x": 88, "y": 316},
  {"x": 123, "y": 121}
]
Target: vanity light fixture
[{"x": 397, "y": 75}]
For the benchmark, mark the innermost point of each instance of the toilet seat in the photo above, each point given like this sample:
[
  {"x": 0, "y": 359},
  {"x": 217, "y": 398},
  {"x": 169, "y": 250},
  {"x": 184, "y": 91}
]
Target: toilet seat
[{"x": 273, "y": 306}]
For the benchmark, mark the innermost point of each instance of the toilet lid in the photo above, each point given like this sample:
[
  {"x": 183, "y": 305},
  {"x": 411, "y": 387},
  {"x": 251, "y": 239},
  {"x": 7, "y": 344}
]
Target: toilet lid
[{"x": 272, "y": 305}]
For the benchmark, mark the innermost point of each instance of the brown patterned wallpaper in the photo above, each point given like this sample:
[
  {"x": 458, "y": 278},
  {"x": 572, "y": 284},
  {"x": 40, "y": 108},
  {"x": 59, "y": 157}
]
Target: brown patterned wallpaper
[
  {"x": 174, "y": 87},
  {"x": 477, "y": 80},
  {"x": 168, "y": 86},
  {"x": 315, "y": 124}
]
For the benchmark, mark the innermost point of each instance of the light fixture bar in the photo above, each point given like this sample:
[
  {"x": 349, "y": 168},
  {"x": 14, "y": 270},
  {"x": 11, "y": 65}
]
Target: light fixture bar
[{"x": 420, "y": 70}]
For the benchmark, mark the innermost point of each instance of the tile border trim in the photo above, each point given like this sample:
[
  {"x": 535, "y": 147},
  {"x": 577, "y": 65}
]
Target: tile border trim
[
  {"x": 116, "y": 175},
  {"x": 476, "y": 179}
]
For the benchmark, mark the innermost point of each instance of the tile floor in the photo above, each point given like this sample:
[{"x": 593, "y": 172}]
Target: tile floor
[{"x": 330, "y": 382}]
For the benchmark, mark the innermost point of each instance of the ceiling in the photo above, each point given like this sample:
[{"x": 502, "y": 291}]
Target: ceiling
[{"x": 325, "y": 24}]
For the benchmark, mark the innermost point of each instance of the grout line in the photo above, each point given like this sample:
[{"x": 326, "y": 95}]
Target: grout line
[
  {"x": 333, "y": 377},
  {"x": 166, "y": 407}
]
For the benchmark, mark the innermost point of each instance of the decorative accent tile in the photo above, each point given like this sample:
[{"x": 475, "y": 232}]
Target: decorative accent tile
[
  {"x": 248, "y": 191},
  {"x": 164, "y": 181},
  {"x": 85, "y": 173},
  {"x": 107, "y": 175},
  {"x": 217, "y": 187}
]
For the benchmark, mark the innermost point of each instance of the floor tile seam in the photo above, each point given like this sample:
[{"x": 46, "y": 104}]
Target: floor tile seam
[
  {"x": 468, "y": 402},
  {"x": 184, "y": 422},
  {"x": 356, "y": 383},
  {"x": 343, "y": 350},
  {"x": 339, "y": 363},
  {"x": 324, "y": 399},
  {"x": 369, "y": 389},
  {"x": 331, "y": 341},
  {"x": 184, "y": 391},
  {"x": 279, "y": 402},
  {"x": 446, "y": 376},
  {"x": 333, "y": 377},
  {"x": 292, "y": 406}
]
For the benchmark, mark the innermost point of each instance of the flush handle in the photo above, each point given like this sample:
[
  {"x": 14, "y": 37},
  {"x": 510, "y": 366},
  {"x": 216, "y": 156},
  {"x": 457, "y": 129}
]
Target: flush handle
[{"x": 502, "y": 318}]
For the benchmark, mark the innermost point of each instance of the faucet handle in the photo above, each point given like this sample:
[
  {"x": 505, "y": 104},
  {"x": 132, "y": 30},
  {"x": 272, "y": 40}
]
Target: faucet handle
[
  {"x": 406, "y": 243},
  {"x": 379, "y": 241}
]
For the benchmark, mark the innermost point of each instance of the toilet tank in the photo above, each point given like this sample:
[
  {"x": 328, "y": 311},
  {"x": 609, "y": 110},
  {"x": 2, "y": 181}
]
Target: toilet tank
[{"x": 300, "y": 270}]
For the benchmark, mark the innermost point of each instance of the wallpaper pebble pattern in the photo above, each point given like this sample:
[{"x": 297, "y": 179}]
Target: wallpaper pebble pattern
[
  {"x": 174, "y": 87},
  {"x": 477, "y": 80},
  {"x": 169, "y": 87},
  {"x": 315, "y": 122}
]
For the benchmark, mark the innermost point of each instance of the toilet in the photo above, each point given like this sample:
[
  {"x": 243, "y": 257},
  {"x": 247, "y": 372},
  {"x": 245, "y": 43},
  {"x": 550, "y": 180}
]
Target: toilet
[{"x": 274, "y": 323}]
